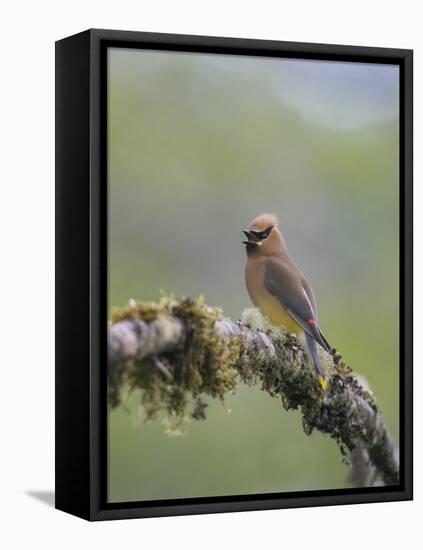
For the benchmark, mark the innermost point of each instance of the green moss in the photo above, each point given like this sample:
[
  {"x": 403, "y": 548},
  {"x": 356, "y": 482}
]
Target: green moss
[
  {"x": 146, "y": 311},
  {"x": 209, "y": 366},
  {"x": 205, "y": 367}
]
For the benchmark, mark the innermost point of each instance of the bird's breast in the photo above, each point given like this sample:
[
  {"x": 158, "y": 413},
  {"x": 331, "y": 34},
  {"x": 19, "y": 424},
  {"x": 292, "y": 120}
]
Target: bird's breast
[{"x": 266, "y": 302}]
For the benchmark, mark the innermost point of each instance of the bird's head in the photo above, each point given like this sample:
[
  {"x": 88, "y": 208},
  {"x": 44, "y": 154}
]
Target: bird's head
[{"x": 263, "y": 236}]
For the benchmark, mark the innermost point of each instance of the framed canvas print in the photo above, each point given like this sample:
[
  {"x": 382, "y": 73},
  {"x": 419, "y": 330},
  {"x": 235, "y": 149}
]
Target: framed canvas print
[{"x": 234, "y": 274}]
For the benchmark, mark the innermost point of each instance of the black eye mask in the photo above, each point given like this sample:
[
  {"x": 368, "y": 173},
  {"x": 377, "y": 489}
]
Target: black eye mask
[{"x": 262, "y": 235}]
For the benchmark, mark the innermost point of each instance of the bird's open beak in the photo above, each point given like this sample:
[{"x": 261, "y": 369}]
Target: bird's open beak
[{"x": 252, "y": 239}]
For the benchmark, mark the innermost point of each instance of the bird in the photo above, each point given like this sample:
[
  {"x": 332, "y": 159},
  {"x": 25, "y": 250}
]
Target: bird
[{"x": 280, "y": 290}]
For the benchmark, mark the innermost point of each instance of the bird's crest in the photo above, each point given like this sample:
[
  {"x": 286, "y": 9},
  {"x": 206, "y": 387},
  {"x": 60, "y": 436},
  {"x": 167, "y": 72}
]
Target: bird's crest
[{"x": 264, "y": 220}]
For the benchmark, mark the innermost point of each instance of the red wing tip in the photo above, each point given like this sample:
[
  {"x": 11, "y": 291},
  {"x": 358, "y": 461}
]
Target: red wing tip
[{"x": 311, "y": 322}]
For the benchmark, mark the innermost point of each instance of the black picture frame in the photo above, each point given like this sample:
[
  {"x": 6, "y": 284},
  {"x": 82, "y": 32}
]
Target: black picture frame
[{"x": 81, "y": 273}]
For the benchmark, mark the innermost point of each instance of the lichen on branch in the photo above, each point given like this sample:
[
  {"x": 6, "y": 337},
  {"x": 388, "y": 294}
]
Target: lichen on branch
[
  {"x": 180, "y": 353},
  {"x": 200, "y": 364}
]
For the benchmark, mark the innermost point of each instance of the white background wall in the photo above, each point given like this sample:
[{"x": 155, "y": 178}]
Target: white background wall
[{"x": 27, "y": 37}]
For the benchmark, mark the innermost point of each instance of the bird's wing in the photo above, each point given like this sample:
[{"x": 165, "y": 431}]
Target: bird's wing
[
  {"x": 284, "y": 282},
  {"x": 310, "y": 294}
]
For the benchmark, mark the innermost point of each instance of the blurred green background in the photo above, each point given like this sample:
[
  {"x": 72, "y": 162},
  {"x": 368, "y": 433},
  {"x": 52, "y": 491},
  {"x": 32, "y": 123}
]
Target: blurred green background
[{"x": 200, "y": 144}]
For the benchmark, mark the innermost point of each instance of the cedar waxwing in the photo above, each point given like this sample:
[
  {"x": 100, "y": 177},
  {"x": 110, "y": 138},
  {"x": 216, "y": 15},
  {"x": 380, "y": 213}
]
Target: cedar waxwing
[{"x": 279, "y": 289}]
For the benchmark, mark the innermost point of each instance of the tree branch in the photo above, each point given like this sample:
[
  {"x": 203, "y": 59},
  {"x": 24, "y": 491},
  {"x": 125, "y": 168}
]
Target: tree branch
[{"x": 180, "y": 352}]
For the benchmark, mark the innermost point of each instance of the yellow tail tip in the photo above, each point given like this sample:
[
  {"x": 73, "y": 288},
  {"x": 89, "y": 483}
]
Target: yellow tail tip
[{"x": 323, "y": 383}]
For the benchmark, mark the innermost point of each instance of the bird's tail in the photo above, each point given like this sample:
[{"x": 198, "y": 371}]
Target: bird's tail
[{"x": 314, "y": 354}]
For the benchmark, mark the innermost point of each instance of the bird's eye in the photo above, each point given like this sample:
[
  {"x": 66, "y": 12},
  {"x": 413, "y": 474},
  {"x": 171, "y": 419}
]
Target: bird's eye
[{"x": 262, "y": 235}]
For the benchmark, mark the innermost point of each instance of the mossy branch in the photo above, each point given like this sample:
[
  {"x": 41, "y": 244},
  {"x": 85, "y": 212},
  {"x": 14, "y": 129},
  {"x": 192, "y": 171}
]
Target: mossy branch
[{"x": 179, "y": 353}]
